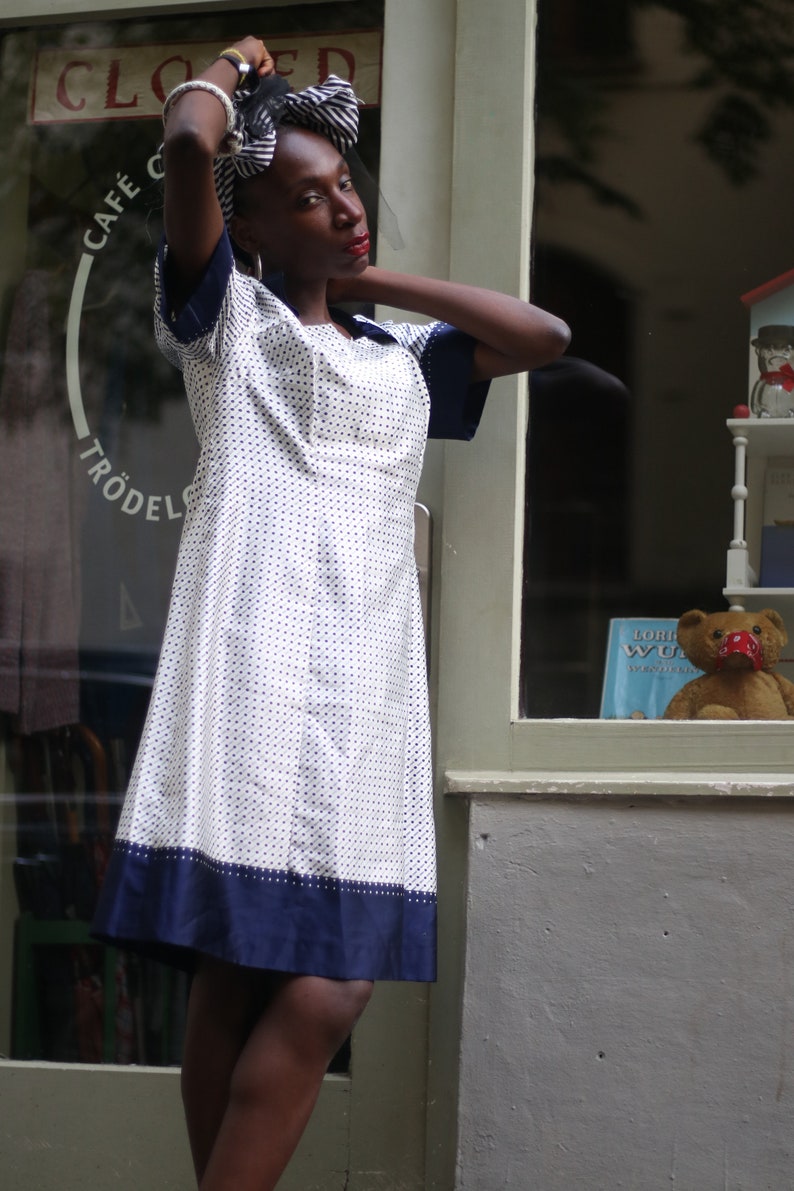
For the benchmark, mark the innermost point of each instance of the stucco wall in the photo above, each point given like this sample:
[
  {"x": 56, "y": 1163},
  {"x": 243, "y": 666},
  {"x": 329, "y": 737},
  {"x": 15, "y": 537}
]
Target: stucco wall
[{"x": 628, "y": 1009}]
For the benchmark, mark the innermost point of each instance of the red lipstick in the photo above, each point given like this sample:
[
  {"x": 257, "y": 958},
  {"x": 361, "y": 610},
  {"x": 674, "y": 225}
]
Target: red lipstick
[{"x": 359, "y": 246}]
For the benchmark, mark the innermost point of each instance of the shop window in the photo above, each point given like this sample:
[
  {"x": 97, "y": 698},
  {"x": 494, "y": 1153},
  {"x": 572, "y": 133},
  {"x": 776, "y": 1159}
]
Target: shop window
[
  {"x": 658, "y": 205},
  {"x": 598, "y": 37},
  {"x": 96, "y": 455}
]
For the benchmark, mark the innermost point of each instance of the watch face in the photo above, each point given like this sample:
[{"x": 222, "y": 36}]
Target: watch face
[
  {"x": 247, "y": 74},
  {"x": 243, "y": 68}
]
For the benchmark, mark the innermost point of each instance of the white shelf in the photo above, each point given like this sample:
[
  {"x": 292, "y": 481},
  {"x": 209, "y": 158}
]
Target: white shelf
[
  {"x": 759, "y": 595},
  {"x": 755, "y": 440},
  {"x": 765, "y": 436}
]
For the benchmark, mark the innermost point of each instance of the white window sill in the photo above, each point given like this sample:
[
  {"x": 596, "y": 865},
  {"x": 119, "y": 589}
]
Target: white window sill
[{"x": 571, "y": 784}]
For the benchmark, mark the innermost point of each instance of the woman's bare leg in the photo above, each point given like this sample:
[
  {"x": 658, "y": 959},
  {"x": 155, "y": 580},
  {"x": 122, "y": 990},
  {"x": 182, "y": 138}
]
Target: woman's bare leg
[
  {"x": 245, "y": 1125},
  {"x": 224, "y": 1003}
]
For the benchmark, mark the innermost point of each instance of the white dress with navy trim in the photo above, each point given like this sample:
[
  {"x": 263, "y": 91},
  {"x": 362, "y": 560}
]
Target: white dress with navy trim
[{"x": 280, "y": 808}]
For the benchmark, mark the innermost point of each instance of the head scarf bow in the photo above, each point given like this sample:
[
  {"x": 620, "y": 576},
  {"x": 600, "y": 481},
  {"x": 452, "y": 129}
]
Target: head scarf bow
[{"x": 330, "y": 108}]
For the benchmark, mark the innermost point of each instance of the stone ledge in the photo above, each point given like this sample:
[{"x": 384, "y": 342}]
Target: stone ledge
[{"x": 574, "y": 784}]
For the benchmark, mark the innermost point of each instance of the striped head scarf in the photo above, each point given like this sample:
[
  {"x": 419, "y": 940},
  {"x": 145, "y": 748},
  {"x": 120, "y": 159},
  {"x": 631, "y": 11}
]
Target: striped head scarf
[{"x": 330, "y": 108}]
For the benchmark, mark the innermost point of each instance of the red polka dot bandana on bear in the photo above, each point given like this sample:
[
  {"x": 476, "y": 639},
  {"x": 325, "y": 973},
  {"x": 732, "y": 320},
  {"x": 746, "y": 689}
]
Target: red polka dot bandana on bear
[{"x": 744, "y": 643}]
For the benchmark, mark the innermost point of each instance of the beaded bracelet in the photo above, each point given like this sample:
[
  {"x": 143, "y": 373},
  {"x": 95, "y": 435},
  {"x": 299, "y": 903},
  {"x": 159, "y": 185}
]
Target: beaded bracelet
[
  {"x": 235, "y": 53},
  {"x": 202, "y": 85}
]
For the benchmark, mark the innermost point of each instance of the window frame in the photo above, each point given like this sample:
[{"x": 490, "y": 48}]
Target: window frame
[
  {"x": 56, "y": 12},
  {"x": 482, "y": 742}
]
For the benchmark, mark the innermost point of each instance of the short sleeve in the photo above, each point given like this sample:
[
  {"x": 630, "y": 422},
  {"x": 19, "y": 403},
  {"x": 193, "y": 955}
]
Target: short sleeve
[
  {"x": 446, "y": 357},
  {"x": 213, "y": 316}
]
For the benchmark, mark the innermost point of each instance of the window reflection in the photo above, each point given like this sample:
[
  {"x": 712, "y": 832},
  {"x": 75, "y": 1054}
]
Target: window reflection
[
  {"x": 97, "y": 451},
  {"x": 661, "y": 164},
  {"x": 87, "y": 561}
]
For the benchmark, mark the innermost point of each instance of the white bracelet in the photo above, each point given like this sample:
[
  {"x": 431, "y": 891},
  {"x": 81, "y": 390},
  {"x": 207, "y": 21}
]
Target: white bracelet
[{"x": 202, "y": 85}]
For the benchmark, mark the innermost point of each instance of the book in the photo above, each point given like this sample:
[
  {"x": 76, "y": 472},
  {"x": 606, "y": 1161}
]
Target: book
[
  {"x": 777, "y": 531},
  {"x": 645, "y": 666}
]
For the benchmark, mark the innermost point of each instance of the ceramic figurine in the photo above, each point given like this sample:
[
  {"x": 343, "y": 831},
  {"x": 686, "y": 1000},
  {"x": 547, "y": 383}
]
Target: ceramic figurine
[{"x": 773, "y": 392}]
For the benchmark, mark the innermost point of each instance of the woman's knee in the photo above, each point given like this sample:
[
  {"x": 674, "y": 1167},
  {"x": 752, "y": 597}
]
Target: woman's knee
[
  {"x": 331, "y": 1007},
  {"x": 355, "y": 996}
]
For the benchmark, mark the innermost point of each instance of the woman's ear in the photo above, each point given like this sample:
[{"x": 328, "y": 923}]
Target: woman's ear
[
  {"x": 242, "y": 234},
  {"x": 246, "y": 238}
]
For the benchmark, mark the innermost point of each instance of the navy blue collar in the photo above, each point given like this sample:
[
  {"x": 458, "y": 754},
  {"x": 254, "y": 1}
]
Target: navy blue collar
[{"x": 355, "y": 326}]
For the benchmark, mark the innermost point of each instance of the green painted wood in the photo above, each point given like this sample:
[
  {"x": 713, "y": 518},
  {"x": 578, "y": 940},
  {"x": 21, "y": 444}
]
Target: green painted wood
[{"x": 69, "y": 1128}]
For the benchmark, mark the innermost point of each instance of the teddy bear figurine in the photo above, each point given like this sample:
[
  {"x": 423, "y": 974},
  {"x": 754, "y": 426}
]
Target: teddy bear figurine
[{"x": 738, "y": 652}]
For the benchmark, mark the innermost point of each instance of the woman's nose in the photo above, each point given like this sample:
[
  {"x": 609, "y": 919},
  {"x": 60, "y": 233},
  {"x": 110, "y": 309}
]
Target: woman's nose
[{"x": 349, "y": 210}]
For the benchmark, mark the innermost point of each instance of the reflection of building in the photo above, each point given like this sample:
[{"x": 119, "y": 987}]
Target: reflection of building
[
  {"x": 576, "y": 532},
  {"x": 639, "y": 203},
  {"x": 578, "y": 514},
  {"x": 39, "y": 608},
  {"x": 614, "y": 946}
]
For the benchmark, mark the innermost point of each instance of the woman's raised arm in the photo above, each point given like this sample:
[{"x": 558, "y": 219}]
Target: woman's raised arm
[
  {"x": 513, "y": 336},
  {"x": 195, "y": 126}
]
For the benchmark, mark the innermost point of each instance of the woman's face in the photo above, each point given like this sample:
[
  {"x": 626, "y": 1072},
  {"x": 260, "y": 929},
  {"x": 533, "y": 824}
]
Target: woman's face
[{"x": 302, "y": 214}]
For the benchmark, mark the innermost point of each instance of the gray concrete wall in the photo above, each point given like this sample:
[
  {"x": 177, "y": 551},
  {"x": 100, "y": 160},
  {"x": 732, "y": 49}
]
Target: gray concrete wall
[{"x": 629, "y": 1001}]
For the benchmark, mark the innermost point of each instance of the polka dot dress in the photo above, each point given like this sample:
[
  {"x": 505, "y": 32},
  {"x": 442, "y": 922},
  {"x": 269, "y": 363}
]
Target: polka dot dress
[{"x": 280, "y": 809}]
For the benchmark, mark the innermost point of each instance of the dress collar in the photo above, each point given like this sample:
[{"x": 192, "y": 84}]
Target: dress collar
[{"x": 356, "y": 325}]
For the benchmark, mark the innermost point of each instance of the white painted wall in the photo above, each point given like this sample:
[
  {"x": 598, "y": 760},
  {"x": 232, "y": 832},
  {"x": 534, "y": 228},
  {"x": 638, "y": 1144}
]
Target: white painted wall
[{"x": 629, "y": 1001}]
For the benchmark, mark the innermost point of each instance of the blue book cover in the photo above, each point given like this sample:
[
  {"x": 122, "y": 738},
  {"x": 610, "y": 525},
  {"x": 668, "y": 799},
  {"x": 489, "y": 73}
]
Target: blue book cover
[
  {"x": 777, "y": 556},
  {"x": 645, "y": 666}
]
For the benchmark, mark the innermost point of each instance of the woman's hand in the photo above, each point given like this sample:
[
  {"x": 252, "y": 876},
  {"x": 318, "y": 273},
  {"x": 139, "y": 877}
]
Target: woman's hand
[{"x": 257, "y": 55}]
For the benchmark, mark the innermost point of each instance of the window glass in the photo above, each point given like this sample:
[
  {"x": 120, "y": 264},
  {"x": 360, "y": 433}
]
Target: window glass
[
  {"x": 661, "y": 174},
  {"x": 97, "y": 452}
]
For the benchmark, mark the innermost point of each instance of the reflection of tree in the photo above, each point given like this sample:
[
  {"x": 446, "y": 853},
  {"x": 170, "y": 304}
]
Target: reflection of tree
[
  {"x": 742, "y": 53},
  {"x": 73, "y": 168}
]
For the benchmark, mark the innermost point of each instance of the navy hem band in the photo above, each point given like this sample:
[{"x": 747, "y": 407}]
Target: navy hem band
[{"x": 172, "y": 903}]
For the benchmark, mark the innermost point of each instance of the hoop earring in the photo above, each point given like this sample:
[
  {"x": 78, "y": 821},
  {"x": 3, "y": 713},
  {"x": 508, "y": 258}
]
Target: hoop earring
[{"x": 257, "y": 266}]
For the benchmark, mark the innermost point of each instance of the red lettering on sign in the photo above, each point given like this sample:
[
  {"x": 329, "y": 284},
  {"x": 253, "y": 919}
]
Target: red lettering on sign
[
  {"x": 276, "y": 55},
  {"x": 111, "y": 99},
  {"x": 157, "y": 75},
  {"x": 61, "y": 92},
  {"x": 322, "y": 62}
]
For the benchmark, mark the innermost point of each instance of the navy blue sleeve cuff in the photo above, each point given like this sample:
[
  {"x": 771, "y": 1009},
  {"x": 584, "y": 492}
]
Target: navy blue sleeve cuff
[
  {"x": 456, "y": 404},
  {"x": 200, "y": 312}
]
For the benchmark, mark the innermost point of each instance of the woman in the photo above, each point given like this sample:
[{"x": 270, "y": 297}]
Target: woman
[{"x": 277, "y": 838}]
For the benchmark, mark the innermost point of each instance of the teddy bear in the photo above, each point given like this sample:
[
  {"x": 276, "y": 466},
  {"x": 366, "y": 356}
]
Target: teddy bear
[{"x": 737, "y": 652}]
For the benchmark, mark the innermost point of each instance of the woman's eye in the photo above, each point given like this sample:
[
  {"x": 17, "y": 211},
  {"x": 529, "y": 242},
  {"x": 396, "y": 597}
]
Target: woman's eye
[
  {"x": 308, "y": 200},
  {"x": 346, "y": 184}
]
